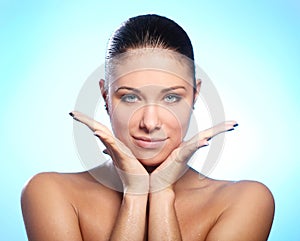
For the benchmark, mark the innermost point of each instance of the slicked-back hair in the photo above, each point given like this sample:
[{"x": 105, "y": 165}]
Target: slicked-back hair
[{"x": 149, "y": 31}]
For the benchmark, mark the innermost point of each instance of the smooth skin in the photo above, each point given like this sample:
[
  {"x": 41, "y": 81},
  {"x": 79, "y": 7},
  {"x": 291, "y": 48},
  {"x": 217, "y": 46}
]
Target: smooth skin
[{"x": 174, "y": 202}]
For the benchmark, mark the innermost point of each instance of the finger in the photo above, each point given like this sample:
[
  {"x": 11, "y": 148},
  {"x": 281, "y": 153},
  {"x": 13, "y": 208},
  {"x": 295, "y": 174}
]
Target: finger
[
  {"x": 115, "y": 148},
  {"x": 110, "y": 150},
  {"x": 89, "y": 122},
  {"x": 220, "y": 128},
  {"x": 106, "y": 138},
  {"x": 201, "y": 138},
  {"x": 120, "y": 154},
  {"x": 188, "y": 148}
]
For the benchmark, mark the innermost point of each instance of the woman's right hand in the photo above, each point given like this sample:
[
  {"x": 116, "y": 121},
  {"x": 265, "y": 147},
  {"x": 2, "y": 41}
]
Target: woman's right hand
[
  {"x": 134, "y": 176},
  {"x": 175, "y": 165}
]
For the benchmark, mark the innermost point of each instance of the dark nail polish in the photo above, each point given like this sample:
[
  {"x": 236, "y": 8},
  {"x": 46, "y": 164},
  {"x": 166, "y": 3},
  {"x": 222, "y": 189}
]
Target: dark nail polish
[
  {"x": 235, "y": 125},
  {"x": 71, "y": 114}
]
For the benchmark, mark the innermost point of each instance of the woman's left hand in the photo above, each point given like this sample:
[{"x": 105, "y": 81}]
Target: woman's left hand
[{"x": 175, "y": 165}]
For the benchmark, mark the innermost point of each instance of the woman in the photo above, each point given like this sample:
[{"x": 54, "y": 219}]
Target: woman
[{"x": 149, "y": 90}]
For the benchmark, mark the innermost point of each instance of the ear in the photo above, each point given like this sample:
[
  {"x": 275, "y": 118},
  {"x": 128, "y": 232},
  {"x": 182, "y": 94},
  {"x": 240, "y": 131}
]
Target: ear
[
  {"x": 103, "y": 92},
  {"x": 102, "y": 89},
  {"x": 197, "y": 90}
]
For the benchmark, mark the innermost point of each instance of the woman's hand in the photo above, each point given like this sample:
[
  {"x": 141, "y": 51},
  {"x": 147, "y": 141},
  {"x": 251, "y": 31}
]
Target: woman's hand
[
  {"x": 134, "y": 176},
  {"x": 176, "y": 164}
]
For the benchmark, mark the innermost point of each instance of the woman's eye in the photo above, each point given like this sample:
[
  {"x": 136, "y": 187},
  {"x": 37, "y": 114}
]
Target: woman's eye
[
  {"x": 172, "y": 98},
  {"x": 130, "y": 98}
]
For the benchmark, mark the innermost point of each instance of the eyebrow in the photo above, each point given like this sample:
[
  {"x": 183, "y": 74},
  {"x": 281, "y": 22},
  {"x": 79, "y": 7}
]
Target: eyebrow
[
  {"x": 162, "y": 91},
  {"x": 173, "y": 88},
  {"x": 128, "y": 88}
]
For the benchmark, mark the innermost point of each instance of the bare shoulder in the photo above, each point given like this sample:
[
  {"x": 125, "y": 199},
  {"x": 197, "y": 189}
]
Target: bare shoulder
[
  {"x": 42, "y": 186},
  {"x": 54, "y": 183},
  {"x": 69, "y": 189},
  {"x": 250, "y": 197},
  {"x": 46, "y": 206},
  {"x": 53, "y": 191},
  {"x": 246, "y": 192},
  {"x": 51, "y": 203},
  {"x": 248, "y": 213}
]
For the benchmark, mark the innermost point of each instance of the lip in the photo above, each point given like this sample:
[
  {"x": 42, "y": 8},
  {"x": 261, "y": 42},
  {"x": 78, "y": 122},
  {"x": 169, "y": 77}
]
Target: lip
[{"x": 149, "y": 143}]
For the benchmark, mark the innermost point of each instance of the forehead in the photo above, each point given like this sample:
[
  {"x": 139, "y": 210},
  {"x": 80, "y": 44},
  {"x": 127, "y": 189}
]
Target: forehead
[
  {"x": 162, "y": 63},
  {"x": 149, "y": 78}
]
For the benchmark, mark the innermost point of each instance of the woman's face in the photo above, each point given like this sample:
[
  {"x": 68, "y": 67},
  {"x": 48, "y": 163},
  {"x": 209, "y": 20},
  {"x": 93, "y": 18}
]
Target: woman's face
[{"x": 150, "y": 111}]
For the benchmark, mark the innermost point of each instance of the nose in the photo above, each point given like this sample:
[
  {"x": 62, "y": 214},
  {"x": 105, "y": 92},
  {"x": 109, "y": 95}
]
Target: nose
[{"x": 150, "y": 120}]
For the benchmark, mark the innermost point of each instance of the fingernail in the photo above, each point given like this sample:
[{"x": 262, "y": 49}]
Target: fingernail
[
  {"x": 71, "y": 114},
  {"x": 206, "y": 143},
  {"x": 231, "y": 129},
  {"x": 235, "y": 125}
]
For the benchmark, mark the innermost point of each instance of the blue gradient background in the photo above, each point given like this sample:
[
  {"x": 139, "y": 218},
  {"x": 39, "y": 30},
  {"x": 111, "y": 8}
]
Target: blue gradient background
[{"x": 250, "y": 49}]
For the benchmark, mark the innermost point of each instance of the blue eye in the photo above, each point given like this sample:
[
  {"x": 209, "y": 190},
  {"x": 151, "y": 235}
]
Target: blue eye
[
  {"x": 129, "y": 98},
  {"x": 172, "y": 98}
]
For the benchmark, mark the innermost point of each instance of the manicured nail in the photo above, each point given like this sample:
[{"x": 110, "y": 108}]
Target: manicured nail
[
  {"x": 206, "y": 143},
  {"x": 235, "y": 125},
  {"x": 71, "y": 114}
]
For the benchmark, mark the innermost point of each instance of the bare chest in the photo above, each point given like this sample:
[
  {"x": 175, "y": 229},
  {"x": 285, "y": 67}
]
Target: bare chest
[{"x": 196, "y": 218}]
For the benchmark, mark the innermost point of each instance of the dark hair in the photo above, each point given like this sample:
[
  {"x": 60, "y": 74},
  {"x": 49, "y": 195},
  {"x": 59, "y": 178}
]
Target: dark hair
[{"x": 149, "y": 31}]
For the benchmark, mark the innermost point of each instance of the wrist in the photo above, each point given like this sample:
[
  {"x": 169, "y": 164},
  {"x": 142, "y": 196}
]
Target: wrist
[
  {"x": 129, "y": 197},
  {"x": 134, "y": 201},
  {"x": 164, "y": 195},
  {"x": 166, "y": 177},
  {"x": 134, "y": 184}
]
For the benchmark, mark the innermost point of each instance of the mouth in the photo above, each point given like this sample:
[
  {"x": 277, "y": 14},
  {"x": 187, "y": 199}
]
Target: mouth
[{"x": 148, "y": 142}]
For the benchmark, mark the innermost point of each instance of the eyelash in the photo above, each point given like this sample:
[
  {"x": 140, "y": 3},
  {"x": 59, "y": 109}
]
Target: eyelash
[
  {"x": 132, "y": 98},
  {"x": 125, "y": 98},
  {"x": 176, "y": 98}
]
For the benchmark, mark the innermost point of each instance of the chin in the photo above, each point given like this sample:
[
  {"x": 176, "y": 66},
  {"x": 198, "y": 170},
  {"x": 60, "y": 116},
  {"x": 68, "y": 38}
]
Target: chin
[
  {"x": 152, "y": 158},
  {"x": 154, "y": 161},
  {"x": 150, "y": 162}
]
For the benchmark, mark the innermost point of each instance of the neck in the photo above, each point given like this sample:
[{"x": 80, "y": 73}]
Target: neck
[
  {"x": 150, "y": 169},
  {"x": 191, "y": 179}
]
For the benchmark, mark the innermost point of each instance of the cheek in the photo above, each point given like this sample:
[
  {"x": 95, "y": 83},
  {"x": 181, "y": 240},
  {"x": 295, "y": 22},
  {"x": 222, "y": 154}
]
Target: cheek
[
  {"x": 119, "y": 122},
  {"x": 178, "y": 121},
  {"x": 119, "y": 119},
  {"x": 122, "y": 118},
  {"x": 181, "y": 114}
]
